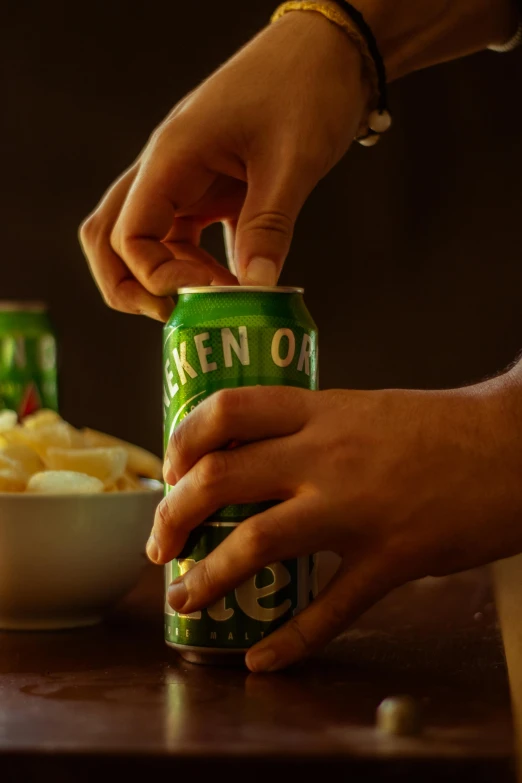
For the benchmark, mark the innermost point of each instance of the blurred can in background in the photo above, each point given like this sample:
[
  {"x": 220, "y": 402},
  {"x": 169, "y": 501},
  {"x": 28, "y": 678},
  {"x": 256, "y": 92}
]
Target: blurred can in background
[{"x": 28, "y": 367}]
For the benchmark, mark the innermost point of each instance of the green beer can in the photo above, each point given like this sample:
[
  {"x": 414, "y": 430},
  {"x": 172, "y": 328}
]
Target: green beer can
[
  {"x": 28, "y": 373},
  {"x": 225, "y": 337}
]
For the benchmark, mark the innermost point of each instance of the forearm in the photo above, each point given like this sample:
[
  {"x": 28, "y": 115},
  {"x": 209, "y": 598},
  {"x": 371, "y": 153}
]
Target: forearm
[{"x": 414, "y": 34}]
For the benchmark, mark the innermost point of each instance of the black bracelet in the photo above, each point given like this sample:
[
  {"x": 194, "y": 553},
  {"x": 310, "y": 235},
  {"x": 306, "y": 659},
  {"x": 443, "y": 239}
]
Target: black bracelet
[
  {"x": 382, "y": 102},
  {"x": 355, "y": 26},
  {"x": 367, "y": 33}
]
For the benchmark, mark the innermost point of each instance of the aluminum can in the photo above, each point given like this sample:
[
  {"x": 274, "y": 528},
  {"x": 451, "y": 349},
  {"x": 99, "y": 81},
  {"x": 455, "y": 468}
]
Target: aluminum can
[
  {"x": 227, "y": 337},
  {"x": 28, "y": 366}
]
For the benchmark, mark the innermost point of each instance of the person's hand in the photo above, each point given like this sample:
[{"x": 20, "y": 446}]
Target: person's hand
[
  {"x": 401, "y": 484},
  {"x": 245, "y": 148}
]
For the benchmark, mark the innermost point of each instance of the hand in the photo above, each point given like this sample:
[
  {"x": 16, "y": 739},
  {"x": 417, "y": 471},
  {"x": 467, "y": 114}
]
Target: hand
[
  {"x": 245, "y": 148},
  {"x": 401, "y": 484}
]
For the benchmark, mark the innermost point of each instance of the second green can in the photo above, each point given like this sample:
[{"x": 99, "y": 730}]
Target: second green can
[
  {"x": 28, "y": 374},
  {"x": 226, "y": 337}
]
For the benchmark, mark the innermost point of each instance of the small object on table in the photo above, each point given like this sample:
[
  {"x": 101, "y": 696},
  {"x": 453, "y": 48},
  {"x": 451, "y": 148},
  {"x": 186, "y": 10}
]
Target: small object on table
[{"x": 399, "y": 715}]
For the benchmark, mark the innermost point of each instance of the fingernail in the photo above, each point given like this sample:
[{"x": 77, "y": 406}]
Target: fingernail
[
  {"x": 261, "y": 271},
  {"x": 261, "y": 660},
  {"x": 177, "y": 595},
  {"x": 152, "y": 549}
]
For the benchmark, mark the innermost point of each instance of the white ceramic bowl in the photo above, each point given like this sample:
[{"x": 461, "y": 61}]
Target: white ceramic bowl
[{"x": 65, "y": 559}]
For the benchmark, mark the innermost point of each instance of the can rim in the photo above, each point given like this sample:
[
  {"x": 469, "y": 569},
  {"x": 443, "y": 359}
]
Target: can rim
[
  {"x": 19, "y": 306},
  {"x": 236, "y": 289}
]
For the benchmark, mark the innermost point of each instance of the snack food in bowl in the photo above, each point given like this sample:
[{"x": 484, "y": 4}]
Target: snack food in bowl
[{"x": 76, "y": 507}]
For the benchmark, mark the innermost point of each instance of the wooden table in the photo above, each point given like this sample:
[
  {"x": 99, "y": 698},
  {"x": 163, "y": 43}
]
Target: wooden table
[{"x": 112, "y": 700}]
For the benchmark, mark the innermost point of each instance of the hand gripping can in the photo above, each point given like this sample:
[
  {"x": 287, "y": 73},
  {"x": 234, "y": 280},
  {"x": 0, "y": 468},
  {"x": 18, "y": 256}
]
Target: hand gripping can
[
  {"x": 28, "y": 373},
  {"x": 225, "y": 337}
]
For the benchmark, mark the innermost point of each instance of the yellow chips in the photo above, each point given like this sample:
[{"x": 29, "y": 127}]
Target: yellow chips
[
  {"x": 12, "y": 480},
  {"x": 8, "y": 420},
  {"x": 64, "y": 482},
  {"x": 107, "y": 465},
  {"x": 40, "y": 418},
  {"x": 22, "y": 456},
  {"x": 46, "y": 454},
  {"x": 40, "y": 439},
  {"x": 139, "y": 461}
]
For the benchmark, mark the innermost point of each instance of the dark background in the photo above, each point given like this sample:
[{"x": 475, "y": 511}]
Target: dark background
[{"x": 410, "y": 251}]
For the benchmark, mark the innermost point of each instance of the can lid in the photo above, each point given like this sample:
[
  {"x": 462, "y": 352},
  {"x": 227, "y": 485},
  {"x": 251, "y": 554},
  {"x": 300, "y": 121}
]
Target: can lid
[
  {"x": 240, "y": 289},
  {"x": 18, "y": 306}
]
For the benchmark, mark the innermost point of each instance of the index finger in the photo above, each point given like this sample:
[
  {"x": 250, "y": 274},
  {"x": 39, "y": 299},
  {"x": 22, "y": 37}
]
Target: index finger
[
  {"x": 246, "y": 414},
  {"x": 118, "y": 287},
  {"x": 261, "y": 540},
  {"x": 165, "y": 185}
]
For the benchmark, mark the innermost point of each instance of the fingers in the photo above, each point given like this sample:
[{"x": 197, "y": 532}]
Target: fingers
[
  {"x": 165, "y": 183},
  {"x": 350, "y": 593},
  {"x": 183, "y": 243},
  {"x": 252, "y": 545},
  {"x": 277, "y": 189},
  {"x": 118, "y": 287},
  {"x": 245, "y": 414},
  {"x": 184, "y": 230},
  {"x": 188, "y": 262},
  {"x": 242, "y": 475}
]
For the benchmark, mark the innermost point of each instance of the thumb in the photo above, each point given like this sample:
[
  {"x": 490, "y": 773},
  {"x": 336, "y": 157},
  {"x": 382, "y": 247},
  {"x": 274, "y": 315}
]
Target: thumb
[{"x": 275, "y": 194}]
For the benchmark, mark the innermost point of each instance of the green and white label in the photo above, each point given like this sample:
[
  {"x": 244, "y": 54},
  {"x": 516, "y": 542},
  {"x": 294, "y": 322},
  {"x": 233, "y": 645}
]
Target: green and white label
[{"x": 243, "y": 617}]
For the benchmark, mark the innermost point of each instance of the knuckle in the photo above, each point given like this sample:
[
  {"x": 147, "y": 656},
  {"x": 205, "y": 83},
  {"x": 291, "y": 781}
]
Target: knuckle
[
  {"x": 161, "y": 139},
  {"x": 117, "y": 297},
  {"x": 224, "y": 408},
  {"x": 177, "y": 444},
  {"x": 274, "y": 222},
  {"x": 132, "y": 250},
  {"x": 111, "y": 299},
  {"x": 158, "y": 135},
  {"x": 205, "y": 581},
  {"x": 115, "y": 239},
  {"x": 89, "y": 231},
  {"x": 163, "y": 520},
  {"x": 300, "y": 640},
  {"x": 260, "y": 542},
  {"x": 122, "y": 244},
  {"x": 210, "y": 471},
  {"x": 155, "y": 286},
  {"x": 334, "y": 617}
]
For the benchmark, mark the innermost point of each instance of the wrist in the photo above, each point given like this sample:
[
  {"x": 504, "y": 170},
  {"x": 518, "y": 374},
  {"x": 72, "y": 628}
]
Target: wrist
[
  {"x": 323, "y": 32},
  {"x": 414, "y": 35},
  {"x": 501, "y": 398},
  {"x": 366, "y": 70},
  {"x": 315, "y": 30}
]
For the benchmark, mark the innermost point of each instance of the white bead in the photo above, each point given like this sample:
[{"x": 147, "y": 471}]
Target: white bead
[
  {"x": 369, "y": 141},
  {"x": 508, "y": 46},
  {"x": 379, "y": 121}
]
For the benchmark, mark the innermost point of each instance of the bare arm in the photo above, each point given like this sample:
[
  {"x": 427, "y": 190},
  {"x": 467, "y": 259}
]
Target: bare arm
[{"x": 414, "y": 35}]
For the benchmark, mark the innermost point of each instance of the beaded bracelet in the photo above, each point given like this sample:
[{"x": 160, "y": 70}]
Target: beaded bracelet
[{"x": 352, "y": 22}]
